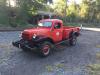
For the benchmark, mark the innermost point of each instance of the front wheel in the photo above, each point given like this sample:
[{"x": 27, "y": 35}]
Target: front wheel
[
  {"x": 45, "y": 48},
  {"x": 73, "y": 40}
]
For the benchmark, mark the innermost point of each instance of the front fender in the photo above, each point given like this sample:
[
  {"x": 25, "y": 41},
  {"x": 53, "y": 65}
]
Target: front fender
[{"x": 40, "y": 39}]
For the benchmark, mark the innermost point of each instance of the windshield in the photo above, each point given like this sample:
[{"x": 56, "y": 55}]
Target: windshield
[{"x": 45, "y": 24}]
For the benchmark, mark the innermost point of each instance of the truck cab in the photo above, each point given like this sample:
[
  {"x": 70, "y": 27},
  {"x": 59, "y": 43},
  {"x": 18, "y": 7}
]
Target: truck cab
[{"x": 56, "y": 30}]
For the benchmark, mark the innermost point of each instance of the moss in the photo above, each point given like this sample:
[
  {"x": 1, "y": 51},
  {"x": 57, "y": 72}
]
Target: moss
[
  {"x": 94, "y": 69},
  {"x": 49, "y": 68},
  {"x": 60, "y": 65},
  {"x": 98, "y": 55}
]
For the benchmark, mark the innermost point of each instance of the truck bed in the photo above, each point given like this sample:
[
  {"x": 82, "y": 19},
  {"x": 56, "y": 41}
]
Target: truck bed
[
  {"x": 67, "y": 30},
  {"x": 70, "y": 27}
]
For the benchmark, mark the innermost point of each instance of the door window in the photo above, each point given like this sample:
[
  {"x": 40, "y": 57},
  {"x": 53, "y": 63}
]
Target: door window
[{"x": 57, "y": 26}]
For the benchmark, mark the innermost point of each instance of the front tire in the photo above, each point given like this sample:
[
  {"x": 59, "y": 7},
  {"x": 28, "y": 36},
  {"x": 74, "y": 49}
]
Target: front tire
[{"x": 45, "y": 48}]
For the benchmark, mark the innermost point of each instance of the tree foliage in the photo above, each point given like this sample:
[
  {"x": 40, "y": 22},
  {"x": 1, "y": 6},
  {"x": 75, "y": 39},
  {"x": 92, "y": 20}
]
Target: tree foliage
[
  {"x": 22, "y": 11},
  {"x": 86, "y": 11},
  {"x": 59, "y": 7},
  {"x": 3, "y": 12},
  {"x": 72, "y": 10}
]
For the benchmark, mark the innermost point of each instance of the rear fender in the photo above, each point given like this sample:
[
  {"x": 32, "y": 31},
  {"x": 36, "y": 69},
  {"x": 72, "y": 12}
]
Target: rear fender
[{"x": 74, "y": 33}]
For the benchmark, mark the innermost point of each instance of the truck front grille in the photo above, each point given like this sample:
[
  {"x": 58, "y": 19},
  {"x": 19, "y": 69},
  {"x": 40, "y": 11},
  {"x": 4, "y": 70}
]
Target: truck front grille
[{"x": 25, "y": 36}]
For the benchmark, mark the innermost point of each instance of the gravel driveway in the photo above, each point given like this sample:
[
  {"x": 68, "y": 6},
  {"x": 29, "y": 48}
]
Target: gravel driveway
[{"x": 64, "y": 60}]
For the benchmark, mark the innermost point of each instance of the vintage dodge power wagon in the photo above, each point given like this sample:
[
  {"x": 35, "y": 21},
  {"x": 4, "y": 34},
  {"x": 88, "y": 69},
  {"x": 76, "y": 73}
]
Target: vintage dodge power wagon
[{"x": 46, "y": 35}]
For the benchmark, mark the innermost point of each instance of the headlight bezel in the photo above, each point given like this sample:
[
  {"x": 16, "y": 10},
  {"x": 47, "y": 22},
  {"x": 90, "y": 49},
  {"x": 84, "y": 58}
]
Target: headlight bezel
[{"x": 34, "y": 36}]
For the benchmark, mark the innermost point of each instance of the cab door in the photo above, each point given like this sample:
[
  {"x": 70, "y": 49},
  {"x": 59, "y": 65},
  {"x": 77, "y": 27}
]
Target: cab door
[{"x": 57, "y": 32}]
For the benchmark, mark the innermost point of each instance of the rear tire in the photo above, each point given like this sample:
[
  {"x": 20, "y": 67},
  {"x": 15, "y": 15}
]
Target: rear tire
[
  {"x": 73, "y": 40},
  {"x": 45, "y": 48}
]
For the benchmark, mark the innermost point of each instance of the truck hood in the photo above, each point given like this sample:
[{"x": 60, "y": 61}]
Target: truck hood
[{"x": 38, "y": 31}]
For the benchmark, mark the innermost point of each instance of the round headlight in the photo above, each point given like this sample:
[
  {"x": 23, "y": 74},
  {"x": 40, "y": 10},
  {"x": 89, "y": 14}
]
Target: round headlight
[{"x": 34, "y": 36}]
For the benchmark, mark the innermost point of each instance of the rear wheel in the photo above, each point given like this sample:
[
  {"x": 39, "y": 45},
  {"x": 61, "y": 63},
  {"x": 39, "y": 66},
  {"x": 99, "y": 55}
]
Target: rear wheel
[
  {"x": 73, "y": 40},
  {"x": 45, "y": 48}
]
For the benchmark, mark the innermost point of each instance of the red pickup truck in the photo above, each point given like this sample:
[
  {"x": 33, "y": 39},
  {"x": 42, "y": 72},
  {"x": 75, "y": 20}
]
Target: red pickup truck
[{"x": 46, "y": 35}]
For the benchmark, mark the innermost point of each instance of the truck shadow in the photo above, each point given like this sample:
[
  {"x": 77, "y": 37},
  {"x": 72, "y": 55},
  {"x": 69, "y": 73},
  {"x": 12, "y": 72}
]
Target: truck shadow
[
  {"x": 34, "y": 55},
  {"x": 57, "y": 48}
]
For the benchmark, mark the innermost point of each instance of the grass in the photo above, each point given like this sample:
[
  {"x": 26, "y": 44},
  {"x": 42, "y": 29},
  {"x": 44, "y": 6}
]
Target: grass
[
  {"x": 98, "y": 55},
  {"x": 51, "y": 68},
  {"x": 94, "y": 69},
  {"x": 72, "y": 24}
]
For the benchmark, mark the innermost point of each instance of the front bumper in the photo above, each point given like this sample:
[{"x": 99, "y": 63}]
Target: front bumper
[{"x": 23, "y": 43}]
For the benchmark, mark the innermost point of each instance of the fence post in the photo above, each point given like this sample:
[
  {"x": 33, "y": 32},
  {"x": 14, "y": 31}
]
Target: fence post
[{"x": 81, "y": 27}]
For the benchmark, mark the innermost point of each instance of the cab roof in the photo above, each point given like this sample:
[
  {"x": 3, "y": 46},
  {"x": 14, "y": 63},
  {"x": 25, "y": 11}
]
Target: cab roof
[{"x": 52, "y": 20}]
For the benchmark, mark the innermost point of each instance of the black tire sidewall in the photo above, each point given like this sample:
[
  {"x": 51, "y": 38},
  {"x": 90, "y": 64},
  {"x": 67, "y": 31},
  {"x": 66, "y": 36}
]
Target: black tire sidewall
[
  {"x": 73, "y": 40},
  {"x": 41, "y": 47}
]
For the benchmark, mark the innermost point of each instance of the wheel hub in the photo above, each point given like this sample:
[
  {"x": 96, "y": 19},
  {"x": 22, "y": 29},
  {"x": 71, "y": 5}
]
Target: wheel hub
[{"x": 46, "y": 49}]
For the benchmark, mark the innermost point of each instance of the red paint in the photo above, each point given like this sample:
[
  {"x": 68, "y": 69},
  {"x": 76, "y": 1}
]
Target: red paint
[{"x": 55, "y": 34}]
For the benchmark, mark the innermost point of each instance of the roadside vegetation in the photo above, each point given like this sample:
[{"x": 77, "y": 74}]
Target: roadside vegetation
[
  {"x": 17, "y": 13},
  {"x": 94, "y": 69}
]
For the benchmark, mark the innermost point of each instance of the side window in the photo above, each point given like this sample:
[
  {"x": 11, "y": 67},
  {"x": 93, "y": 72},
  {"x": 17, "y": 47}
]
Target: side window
[{"x": 57, "y": 26}]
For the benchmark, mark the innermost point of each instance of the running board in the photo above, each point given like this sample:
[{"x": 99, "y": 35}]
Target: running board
[{"x": 62, "y": 42}]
